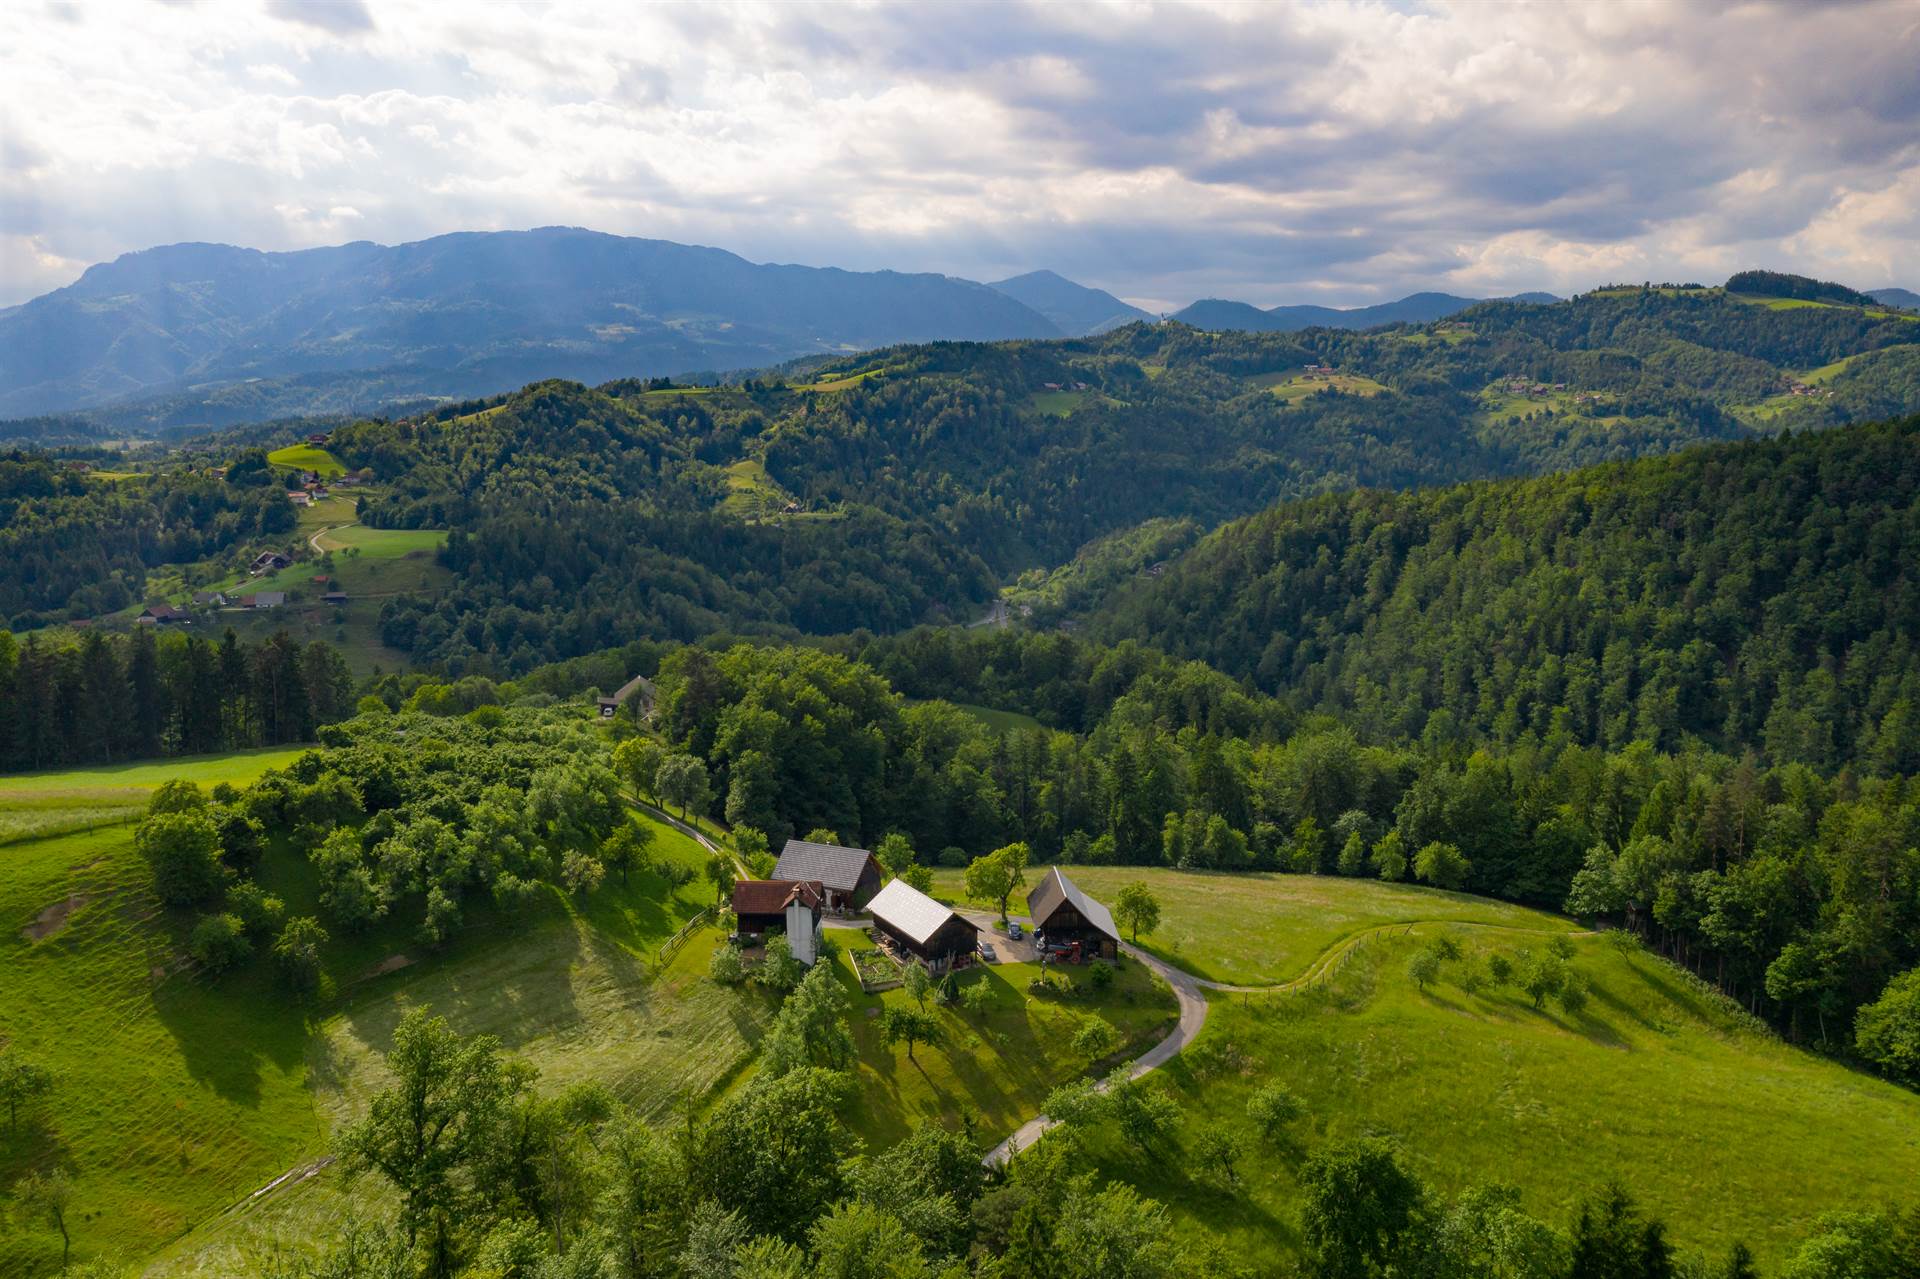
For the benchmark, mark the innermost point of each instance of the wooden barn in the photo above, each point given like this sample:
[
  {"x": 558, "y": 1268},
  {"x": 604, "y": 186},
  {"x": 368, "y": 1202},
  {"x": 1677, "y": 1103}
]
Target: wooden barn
[
  {"x": 1065, "y": 918},
  {"x": 787, "y": 906},
  {"x": 923, "y": 927},
  {"x": 849, "y": 876}
]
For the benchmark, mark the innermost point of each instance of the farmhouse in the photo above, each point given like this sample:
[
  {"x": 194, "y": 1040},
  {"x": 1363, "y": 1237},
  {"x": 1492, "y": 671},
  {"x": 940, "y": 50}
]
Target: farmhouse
[
  {"x": 848, "y": 876},
  {"x": 299, "y": 498},
  {"x": 334, "y": 597},
  {"x": 1068, "y": 920},
  {"x": 264, "y": 599},
  {"x": 787, "y": 906},
  {"x": 165, "y": 613},
  {"x": 609, "y": 706},
  {"x": 267, "y": 562},
  {"x": 210, "y": 599},
  {"x": 922, "y": 927}
]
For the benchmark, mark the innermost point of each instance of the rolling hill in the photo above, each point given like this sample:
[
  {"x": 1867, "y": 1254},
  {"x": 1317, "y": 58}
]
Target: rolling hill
[{"x": 458, "y": 315}]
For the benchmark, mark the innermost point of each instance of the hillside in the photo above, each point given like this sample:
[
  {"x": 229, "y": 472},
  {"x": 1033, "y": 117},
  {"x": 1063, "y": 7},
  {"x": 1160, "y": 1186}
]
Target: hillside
[
  {"x": 909, "y": 484},
  {"x": 458, "y": 315},
  {"x": 1752, "y": 595}
]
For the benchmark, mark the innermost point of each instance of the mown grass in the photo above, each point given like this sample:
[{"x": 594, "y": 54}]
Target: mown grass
[
  {"x": 995, "y": 1067},
  {"x": 1712, "y": 1123},
  {"x": 1292, "y": 387},
  {"x": 306, "y": 457},
  {"x": 1261, "y": 928},
  {"x": 38, "y": 805},
  {"x": 1000, "y": 720},
  {"x": 180, "y": 1095}
]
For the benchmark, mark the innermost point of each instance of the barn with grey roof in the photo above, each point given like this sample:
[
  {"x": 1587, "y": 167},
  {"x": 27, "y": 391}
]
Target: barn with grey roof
[
  {"x": 848, "y": 876},
  {"x": 1064, "y": 916}
]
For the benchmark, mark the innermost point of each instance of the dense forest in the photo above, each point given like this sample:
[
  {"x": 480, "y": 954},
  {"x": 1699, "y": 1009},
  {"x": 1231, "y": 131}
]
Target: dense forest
[
  {"x": 905, "y": 486},
  {"x": 76, "y": 545},
  {"x": 1759, "y": 595}
]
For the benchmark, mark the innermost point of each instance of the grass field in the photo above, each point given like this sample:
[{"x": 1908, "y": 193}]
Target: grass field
[
  {"x": 999, "y": 720},
  {"x": 997, "y": 1065},
  {"x": 1716, "y": 1126},
  {"x": 1267, "y": 927},
  {"x": 179, "y": 1096},
  {"x": 305, "y": 457},
  {"x": 1797, "y": 304},
  {"x": 38, "y": 805},
  {"x": 1292, "y": 387},
  {"x": 1056, "y": 403}
]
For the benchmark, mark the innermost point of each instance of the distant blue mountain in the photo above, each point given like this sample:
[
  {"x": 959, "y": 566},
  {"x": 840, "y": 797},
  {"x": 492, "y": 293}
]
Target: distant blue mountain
[
  {"x": 1417, "y": 308},
  {"x": 461, "y": 315},
  {"x": 1073, "y": 308},
  {"x": 1906, "y": 299}
]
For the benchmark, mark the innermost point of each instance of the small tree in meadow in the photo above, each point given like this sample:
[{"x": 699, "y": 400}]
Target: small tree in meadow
[
  {"x": 21, "y": 1082},
  {"x": 296, "y": 954},
  {"x": 909, "y": 1026},
  {"x": 219, "y": 942},
  {"x": 1137, "y": 909},
  {"x": 1096, "y": 1039},
  {"x": 917, "y": 984},
  {"x": 1274, "y": 1108},
  {"x": 627, "y": 850},
  {"x": 1423, "y": 967},
  {"x": 996, "y": 876},
  {"x": 46, "y": 1195},
  {"x": 1218, "y": 1149}
]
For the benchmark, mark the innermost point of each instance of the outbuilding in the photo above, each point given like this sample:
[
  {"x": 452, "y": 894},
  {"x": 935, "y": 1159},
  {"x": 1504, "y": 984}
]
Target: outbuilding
[
  {"x": 763, "y": 906},
  {"x": 938, "y": 936},
  {"x": 1068, "y": 920},
  {"x": 849, "y": 876}
]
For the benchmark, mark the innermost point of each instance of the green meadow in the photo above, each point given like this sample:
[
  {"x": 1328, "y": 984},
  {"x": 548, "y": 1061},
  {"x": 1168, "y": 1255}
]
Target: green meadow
[
  {"x": 994, "y": 1067},
  {"x": 1732, "y": 1134},
  {"x": 179, "y": 1096},
  {"x": 1260, "y": 928},
  {"x": 307, "y": 457}
]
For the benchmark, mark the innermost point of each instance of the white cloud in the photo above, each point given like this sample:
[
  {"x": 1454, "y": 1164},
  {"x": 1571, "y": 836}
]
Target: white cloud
[{"x": 1330, "y": 149}]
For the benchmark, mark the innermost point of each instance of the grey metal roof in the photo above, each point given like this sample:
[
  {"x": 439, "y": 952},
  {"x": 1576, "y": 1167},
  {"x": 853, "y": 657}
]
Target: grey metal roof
[
  {"x": 1055, "y": 888},
  {"x": 836, "y": 867},
  {"x": 910, "y": 912}
]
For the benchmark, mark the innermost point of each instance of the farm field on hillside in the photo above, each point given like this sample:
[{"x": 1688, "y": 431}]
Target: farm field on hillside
[
  {"x": 179, "y": 1095},
  {"x": 1714, "y": 1125},
  {"x": 999, "y": 1065},
  {"x": 1258, "y": 928},
  {"x": 1293, "y": 387},
  {"x": 36, "y": 805},
  {"x": 306, "y": 457}
]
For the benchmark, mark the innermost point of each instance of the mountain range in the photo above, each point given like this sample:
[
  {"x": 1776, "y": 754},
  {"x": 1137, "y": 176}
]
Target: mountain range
[{"x": 189, "y": 336}]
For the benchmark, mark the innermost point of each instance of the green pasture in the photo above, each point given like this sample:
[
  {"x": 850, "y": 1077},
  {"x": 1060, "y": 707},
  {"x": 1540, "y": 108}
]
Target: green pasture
[
  {"x": 307, "y": 457},
  {"x": 1256, "y": 928},
  {"x": 37, "y": 805},
  {"x": 1713, "y": 1124}
]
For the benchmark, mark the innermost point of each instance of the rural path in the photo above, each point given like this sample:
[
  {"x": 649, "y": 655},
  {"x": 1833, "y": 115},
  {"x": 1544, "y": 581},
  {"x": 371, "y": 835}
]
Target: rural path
[
  {"x": 1191, "y": 993},
  {"x": 314, "y": 541}
]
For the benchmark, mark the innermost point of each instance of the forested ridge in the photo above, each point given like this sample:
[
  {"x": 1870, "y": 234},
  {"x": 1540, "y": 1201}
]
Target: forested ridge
[
  {"x": 906, "y": 485},
  {"x": 1754, "y": 596}
]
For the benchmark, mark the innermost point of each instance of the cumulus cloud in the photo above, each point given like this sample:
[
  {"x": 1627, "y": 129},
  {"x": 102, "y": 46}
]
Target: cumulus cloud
[{"x": 1326, "y": 150}]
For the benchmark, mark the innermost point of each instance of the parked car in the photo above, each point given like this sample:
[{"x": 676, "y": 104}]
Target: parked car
[
  {"x": 986, "y": 951},
  {"x": 1013, "y": 929}
]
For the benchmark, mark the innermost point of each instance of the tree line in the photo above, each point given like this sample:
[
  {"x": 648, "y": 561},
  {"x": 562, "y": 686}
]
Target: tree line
[{"x": 102, "y": 698}]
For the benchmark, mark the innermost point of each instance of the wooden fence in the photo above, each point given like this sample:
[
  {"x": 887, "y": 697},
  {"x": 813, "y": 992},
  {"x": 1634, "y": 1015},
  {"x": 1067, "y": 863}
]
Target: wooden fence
[{"x": 671, "y": 946}]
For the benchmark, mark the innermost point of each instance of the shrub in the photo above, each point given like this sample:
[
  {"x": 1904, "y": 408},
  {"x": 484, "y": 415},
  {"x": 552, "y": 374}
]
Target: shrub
[
  {"x": 184, "y": 851},
  {"x": 176, "y": 796},
  {"x": 1095, "y": 1039},
  {"x": 953, "y": 858},
  {"x": 579, "y": 872},
  {"x": 258, "y": 912},
  {"x": 296, "y": 953},
  {"x": 1572, "y": 995},
  {"x": 726, "y": 967},
  {"x": 1100, "y": 974},
  {"x": 1273, "y": 1108},
  {"x": 779, "y": 970},
  {"x": 976, "y": 997},
  {"x": 1499, "y": 968},
  {"x": 219, "y": 942},
  {"x": 1423, "y": 967}
]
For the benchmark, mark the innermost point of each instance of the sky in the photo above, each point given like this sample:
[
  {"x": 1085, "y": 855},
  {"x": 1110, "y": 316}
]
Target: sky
[{"x": 1340, "y": 152}]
